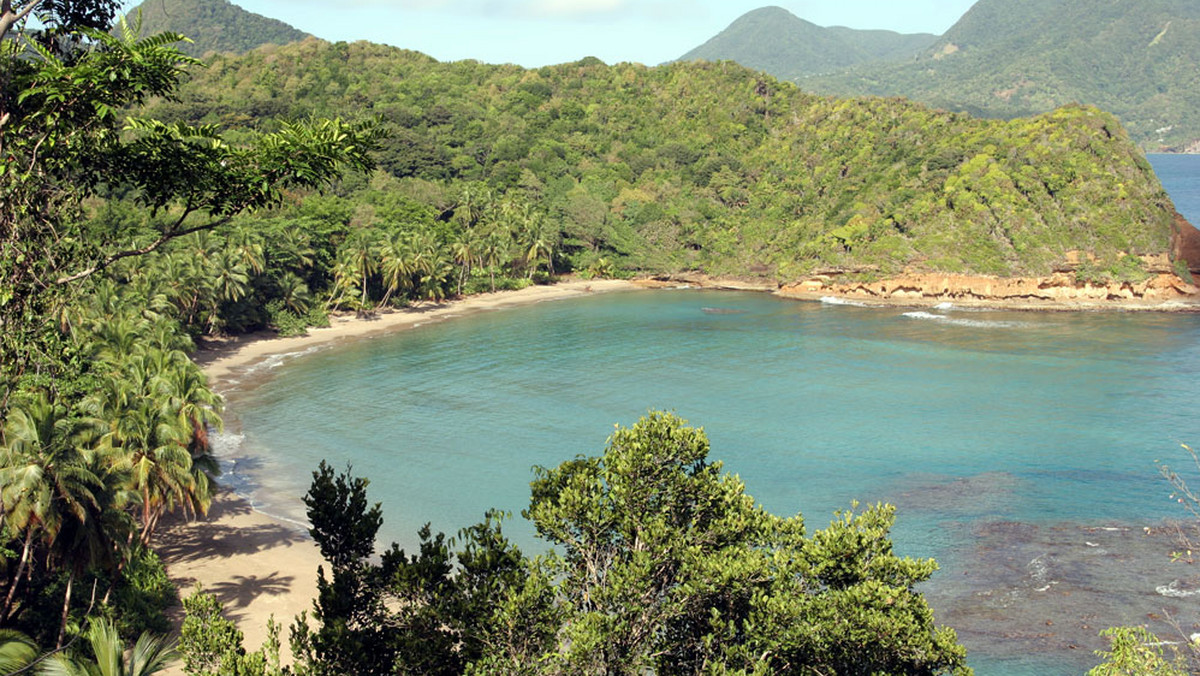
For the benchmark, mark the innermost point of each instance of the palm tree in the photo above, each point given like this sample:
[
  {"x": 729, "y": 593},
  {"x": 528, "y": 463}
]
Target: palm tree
[
  {"x": 294, "y": 293},
  {"x": 492, "y": 252},
  {"x": 294, "y": 249},
  {"x": 465, "y": 250},
  {"x": 396, "y": 264},
  {"x": 52, "y": 491},
  {"x": 155, "y": 407},
  {"x": 45, "y": 482},
  {"x": 536, "y": 239},
  {"x": 149, "y": 655},
  {"x": 356, "y": 257},
  {"x": 17, "y": 651},
  {"x": 247, "y": 247}
]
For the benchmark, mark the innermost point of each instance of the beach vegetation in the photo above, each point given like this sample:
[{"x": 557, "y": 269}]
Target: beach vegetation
[
  {"x": 103, "y": 416},
  {"x": 211, "y": 645}
]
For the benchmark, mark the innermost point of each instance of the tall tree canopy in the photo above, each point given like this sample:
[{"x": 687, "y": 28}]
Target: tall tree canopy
[{"x": 64, "y": 139}]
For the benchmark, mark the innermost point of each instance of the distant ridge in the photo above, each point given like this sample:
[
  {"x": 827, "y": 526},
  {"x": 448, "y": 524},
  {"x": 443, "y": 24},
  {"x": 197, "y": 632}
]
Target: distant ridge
[
  {"x": 774, "y": 40},
  {"x": 1003, "y": 59},
  {"x": 214, "y": 25}
]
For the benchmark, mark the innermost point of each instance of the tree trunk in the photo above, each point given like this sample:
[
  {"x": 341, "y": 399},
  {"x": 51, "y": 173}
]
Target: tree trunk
[
  {"x": 62, "y": 627},
  {"x": 12, "y": 591}
]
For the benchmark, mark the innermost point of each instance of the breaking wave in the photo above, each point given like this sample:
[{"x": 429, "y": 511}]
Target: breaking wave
[{"x": 956, "y": 321}]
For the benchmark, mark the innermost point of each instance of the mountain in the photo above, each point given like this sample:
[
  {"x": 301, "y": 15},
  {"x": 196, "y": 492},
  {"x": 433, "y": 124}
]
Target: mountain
[
  {"x": 774, "y": 40},
  {"x": 1010, "y": 58},
  {"x": 214, "y": 25}
]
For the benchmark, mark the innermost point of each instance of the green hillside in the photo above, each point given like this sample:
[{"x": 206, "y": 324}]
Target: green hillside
[
  {"x": 1006, "y": 58},
  {"x": 699, "y": 166},
  {"x": 214, "y": 25},
  {"x": 776, "y": 41}
]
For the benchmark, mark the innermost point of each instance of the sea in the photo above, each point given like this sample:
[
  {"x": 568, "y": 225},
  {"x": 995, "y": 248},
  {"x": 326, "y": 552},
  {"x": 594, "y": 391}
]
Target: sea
[{"x": 1022, "y": 450}]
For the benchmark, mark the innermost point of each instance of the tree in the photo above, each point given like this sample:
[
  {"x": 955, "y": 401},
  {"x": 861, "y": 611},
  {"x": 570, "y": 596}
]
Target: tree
[
  {"x": 662, "y": 564},
  {"x": 351, "y": 619},
  {"x": 1136, "y": 651},
  {"x": 668, "y": 566},
  {"x": 430, "y": 612}
]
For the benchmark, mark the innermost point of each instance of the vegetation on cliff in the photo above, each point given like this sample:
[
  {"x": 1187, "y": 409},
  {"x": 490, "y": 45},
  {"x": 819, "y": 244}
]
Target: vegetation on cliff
[
  {"x": 1009, "y": 58},
  {"x": 708, "y": 167}
]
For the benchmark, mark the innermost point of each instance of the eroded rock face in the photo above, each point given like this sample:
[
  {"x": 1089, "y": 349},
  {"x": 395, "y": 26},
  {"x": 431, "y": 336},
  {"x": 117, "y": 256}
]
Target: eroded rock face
[
  {"x": 1060, "y": 288},
  {"x": 1186, "y": 243}
]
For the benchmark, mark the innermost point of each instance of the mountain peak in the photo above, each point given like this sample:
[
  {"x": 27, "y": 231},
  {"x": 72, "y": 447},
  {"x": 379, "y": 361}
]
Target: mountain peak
[
  {"x": 773, "y": 39},
  {"x": 214, "y": 25}
]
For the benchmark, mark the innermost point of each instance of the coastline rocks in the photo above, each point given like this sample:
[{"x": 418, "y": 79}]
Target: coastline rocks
[{"x": 1059, "y": 289}]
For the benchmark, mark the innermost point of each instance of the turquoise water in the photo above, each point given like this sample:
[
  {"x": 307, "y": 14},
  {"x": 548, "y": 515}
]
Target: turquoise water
[
  {"x": 1180, "y": 175},
  {"x": 965, "y": 420},
  {"x": 1019, "y": 448}
]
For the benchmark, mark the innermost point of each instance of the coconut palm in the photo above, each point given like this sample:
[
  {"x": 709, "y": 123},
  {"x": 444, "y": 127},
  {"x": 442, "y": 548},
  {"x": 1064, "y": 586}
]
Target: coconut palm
[
  {"x": 396, "y": 264},
  {"x": 465, "y": 250},
  {"x": 44, "y": 480},
  {"x": 536, "y": 239},
  {"x": 17, "y": 651},
  {"x": 294, "y": 293},
  {"x": 149, "y": 655},
  {"x": 355, "y": 265},
  {"x": 294, "y": 249},
  {"x": 492, "y": 252},
  {"x": 155, "y": 408},
  {"x": 247, "y": 248}
]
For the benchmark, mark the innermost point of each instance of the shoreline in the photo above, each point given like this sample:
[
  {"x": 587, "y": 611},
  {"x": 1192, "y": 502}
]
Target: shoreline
[
  {"x": 260, "y": 566},
  {"x": 222, "y": 358}
]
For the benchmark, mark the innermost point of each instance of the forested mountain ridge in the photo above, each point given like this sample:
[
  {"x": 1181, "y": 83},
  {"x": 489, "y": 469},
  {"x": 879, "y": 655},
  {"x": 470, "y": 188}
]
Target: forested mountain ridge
[
  {"x": 774, "y": 40},
  {"x": 1009, "y": 58},
  {"x": 214, "y": 25},
  {"x": 714, "y": 167}
]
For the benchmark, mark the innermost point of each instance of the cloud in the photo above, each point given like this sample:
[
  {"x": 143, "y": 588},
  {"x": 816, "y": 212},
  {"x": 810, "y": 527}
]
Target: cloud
[
  {"x": 546, "y": 9},
  {"x": 576, "y": 7}
]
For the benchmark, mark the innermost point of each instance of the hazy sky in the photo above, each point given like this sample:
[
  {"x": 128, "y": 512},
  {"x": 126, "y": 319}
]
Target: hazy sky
[{"x": 540, "y": 32}]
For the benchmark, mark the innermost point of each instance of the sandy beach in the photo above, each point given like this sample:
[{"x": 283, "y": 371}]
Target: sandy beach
[{"x": 259, "y": 566}]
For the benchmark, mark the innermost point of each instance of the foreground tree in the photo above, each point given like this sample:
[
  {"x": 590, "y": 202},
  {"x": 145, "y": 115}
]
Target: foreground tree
[
  {"x": 662, "y": 565},
  {"x": 668, "y": 566}
]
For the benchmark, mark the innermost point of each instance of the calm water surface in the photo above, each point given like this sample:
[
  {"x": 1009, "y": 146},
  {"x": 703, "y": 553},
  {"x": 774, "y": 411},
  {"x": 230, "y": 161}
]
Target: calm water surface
[{"x": 1019, "y": 448}]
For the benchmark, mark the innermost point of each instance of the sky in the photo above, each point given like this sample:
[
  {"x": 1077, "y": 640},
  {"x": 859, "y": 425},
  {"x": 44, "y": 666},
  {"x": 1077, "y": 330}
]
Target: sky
[{"x": 535, "y": 33}]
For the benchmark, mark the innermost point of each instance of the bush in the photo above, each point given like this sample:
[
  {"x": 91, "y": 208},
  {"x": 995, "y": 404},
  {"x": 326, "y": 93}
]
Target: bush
[
  {"x": 284, "y": 321},
  {"x": 142, "y": 596}
]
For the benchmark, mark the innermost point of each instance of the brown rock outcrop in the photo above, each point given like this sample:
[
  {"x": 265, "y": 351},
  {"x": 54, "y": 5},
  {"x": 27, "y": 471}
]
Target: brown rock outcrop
[
  {"x": 1185, "y": 243},
  {"x": 1059, "y": 290}
]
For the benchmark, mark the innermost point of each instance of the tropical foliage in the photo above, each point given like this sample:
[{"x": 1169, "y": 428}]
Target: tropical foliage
[
  {"x": 708, "y": 167},
  {"x": 103, "y": 416},
  {"x": 661, "y": 564},
  {"x": 1007, "y": 58}
]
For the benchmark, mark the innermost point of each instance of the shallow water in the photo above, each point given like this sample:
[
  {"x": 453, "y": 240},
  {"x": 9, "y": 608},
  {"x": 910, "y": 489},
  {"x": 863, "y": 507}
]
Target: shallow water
[{"x": 1002, "y": 437}]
